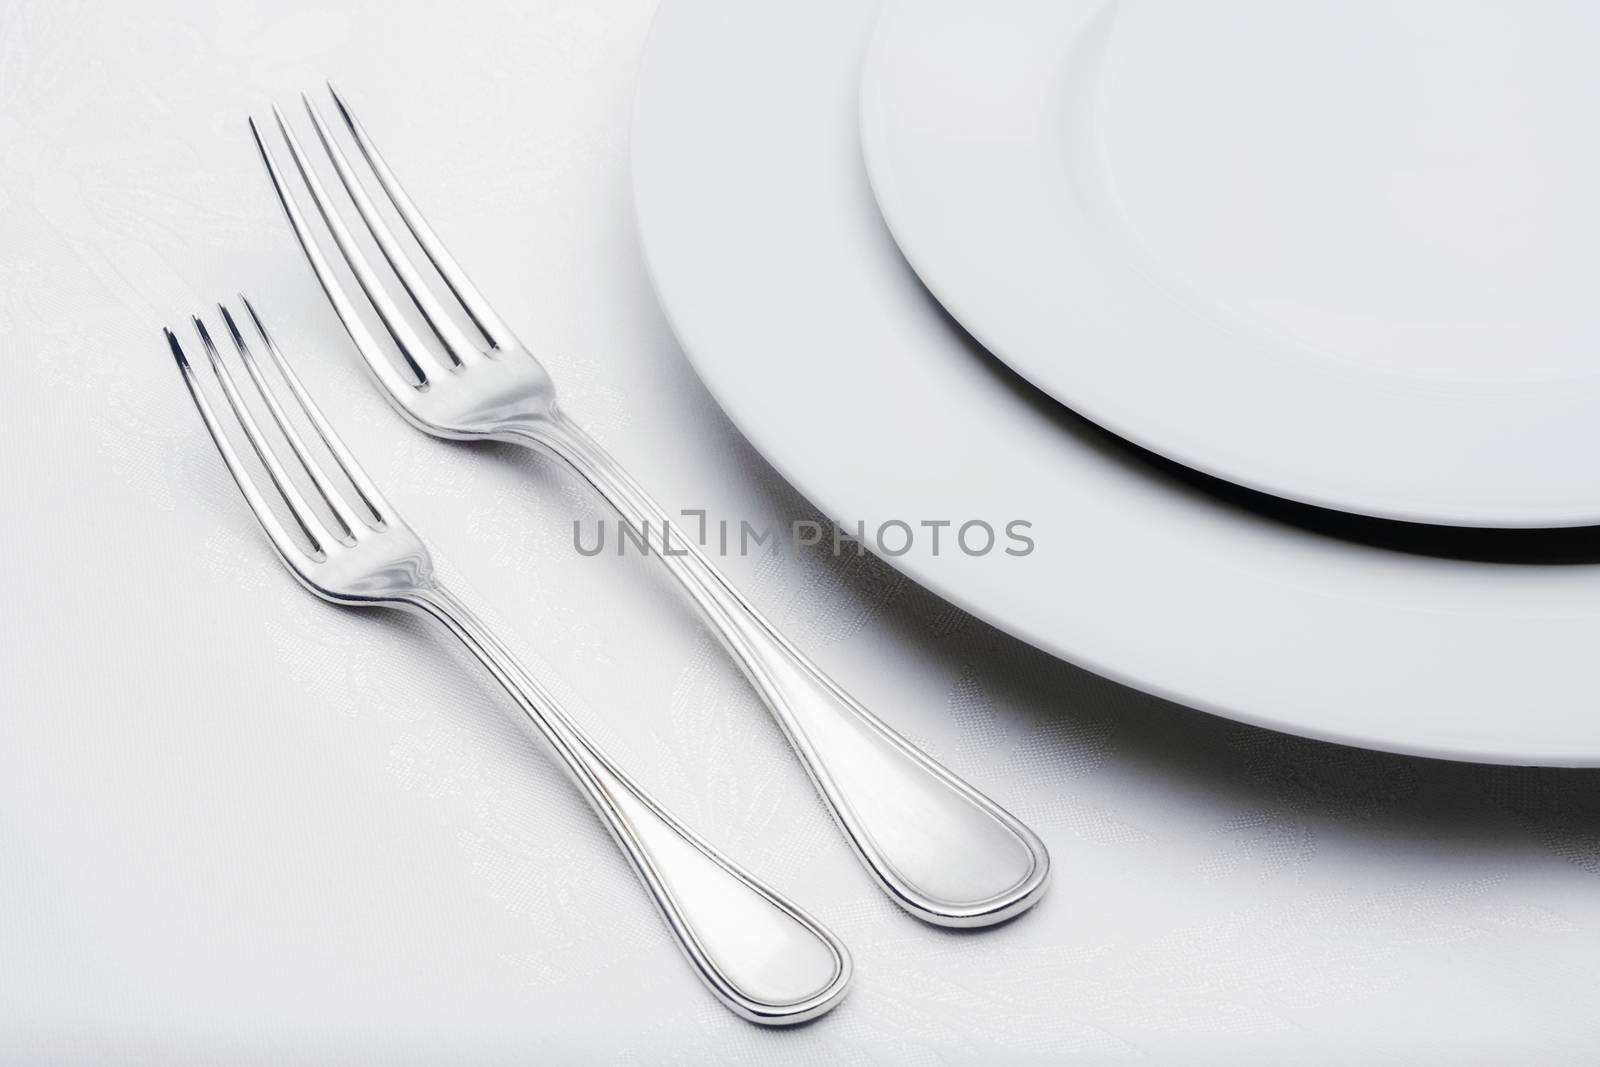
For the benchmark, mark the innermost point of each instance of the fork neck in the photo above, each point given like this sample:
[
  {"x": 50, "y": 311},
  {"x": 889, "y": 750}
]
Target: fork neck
[
  {"x": 434, "y": 600},
  {"x": 540, "y": 427},
  {"x": 553, "y": 431}
]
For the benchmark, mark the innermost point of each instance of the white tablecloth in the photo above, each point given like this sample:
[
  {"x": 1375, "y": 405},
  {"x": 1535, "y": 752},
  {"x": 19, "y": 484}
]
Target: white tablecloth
[{"x": 240, "y": 826}]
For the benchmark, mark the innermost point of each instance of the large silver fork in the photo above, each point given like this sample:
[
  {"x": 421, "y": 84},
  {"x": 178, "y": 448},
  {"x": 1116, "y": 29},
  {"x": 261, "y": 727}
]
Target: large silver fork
[
  {"x": 763, "y": 957},
  {"x": 942, "y": 850}
]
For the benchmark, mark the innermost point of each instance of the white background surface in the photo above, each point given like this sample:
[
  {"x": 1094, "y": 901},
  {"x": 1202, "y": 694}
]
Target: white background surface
[{"x": 241, "y": 826}]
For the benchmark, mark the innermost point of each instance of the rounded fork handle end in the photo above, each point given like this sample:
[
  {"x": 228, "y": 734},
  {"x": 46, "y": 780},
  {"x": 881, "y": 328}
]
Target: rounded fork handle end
[
  {"x": 942, "y": 850},
  {"x": 763, "y": 957}
]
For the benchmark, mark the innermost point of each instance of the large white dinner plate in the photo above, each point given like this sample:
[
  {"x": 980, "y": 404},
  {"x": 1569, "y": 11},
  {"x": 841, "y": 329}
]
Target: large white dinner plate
[
  {"x": 790, "y": 297},
  {"x": 1342, "y": 251}
]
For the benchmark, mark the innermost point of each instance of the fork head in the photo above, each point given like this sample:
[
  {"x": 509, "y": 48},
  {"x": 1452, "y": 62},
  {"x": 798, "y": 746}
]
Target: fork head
[
  {"x": 354, "y": 549},
  {"x": 450, "y": 365}
]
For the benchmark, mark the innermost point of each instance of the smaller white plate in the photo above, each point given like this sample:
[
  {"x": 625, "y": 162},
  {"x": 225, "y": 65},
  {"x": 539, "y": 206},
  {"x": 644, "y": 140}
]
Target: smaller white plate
[{"x": 1342, "y": 251}]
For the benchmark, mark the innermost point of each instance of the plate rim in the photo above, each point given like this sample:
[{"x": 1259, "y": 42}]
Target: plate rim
[{"x": 1439, "y": 744}]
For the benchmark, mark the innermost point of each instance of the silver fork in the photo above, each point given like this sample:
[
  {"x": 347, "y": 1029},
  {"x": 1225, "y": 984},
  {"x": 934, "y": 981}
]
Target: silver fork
[
  {"x": 942, "y": 850},
  {"x": 763, "y": 957}
]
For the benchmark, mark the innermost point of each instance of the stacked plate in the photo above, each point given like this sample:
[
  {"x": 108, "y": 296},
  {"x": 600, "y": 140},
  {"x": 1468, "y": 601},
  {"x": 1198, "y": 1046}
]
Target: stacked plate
[{"x": 1269, "y": 329}]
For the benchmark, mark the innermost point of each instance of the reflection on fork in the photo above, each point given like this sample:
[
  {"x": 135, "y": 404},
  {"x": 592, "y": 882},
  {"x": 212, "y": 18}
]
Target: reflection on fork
[{"x": 764, "y": 958}]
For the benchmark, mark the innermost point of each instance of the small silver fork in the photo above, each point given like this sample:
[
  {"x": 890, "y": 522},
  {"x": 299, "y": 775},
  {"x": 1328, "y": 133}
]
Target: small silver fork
[
  {"x": 767, "y": 960},
  {"x": 941, "y": 850}
]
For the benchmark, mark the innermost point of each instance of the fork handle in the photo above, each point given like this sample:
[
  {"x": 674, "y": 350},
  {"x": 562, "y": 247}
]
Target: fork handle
[
  {"x": 762, "y": 956},
  {"x": 939, "y": 848}
]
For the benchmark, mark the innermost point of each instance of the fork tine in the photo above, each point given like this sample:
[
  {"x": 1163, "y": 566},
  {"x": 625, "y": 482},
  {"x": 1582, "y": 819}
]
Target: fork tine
[
  {"x": 482, "y": 315},
  {"x": 400, "y": 329},
  {"x": 279, "y": 536},
  {"x": 370, "y": 496},
  {"x": 372, "y": 351},
  {"x": 330, "y": 494},
  {"x": 462, "y": 347}
]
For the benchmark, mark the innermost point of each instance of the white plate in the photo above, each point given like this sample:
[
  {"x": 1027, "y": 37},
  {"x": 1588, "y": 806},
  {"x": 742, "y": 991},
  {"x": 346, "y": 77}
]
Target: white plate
[
  {"x": 1342, "y": 251},
  {"x": 791, "y": 299}
]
